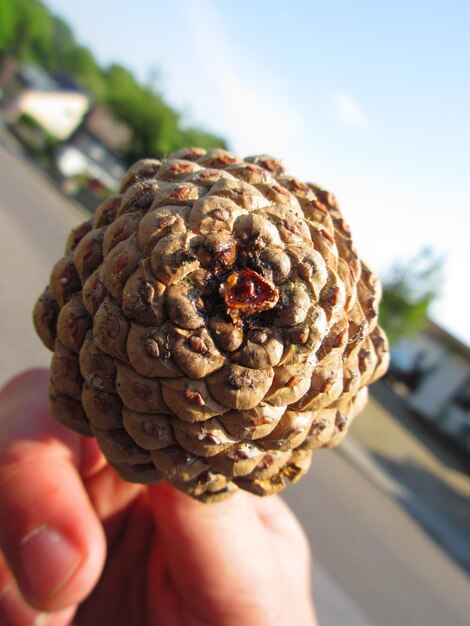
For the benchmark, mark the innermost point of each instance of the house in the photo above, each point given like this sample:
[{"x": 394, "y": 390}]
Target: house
[
  {"x": 54, "y": 103},
  {"x": 113, "y": 133},
  {"x": 93, "y": 151},
  {"x": 435, "y": 365},
  {"x": 87, "y": 140},
  {"x": 87, "y": 157}
]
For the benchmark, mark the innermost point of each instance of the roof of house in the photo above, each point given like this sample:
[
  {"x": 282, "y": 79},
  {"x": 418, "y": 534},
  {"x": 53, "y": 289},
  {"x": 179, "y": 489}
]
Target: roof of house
[
  {"x": 66, "y": 83},
  {"x": 444, "y": 336},
  {"x": 36, "y": 78}
]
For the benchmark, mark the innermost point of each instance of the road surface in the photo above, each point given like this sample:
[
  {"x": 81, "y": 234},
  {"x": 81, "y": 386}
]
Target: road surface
[{"x": 374, "y": 565}]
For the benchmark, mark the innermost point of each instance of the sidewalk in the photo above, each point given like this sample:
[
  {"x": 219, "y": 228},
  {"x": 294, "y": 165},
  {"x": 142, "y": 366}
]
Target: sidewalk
[{"x": 405, "y": 460}]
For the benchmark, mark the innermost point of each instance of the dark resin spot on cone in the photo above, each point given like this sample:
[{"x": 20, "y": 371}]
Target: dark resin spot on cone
[{"x": 246, "y": 292}]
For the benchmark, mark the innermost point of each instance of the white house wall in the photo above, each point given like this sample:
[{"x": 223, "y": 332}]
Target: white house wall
[
  {"x": 59, "y": 113},
  {"x": 439, "y": 387}
]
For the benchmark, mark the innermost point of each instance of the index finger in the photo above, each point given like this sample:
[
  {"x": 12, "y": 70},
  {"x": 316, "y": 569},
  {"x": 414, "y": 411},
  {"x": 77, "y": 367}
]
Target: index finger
[{"x": 49, "y": 532}]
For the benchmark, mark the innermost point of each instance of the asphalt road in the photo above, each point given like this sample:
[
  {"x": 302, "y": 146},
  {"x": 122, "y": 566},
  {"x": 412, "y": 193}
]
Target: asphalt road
[{"x": 374, "y": 565}]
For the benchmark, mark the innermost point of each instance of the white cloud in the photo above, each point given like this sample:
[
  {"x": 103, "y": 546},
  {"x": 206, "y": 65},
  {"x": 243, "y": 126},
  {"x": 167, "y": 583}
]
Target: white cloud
[{"x": 348, "y": 109}]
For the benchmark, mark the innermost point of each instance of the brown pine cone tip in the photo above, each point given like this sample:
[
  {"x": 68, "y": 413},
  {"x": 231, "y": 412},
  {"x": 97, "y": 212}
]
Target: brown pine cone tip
[{"x": 212, "y": 325}]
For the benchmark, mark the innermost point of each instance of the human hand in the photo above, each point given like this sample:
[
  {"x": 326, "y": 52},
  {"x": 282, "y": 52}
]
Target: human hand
[{"x": 79, "y": 545}]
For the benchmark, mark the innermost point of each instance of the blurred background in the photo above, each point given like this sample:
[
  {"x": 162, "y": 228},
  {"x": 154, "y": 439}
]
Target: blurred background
[{"x": 368, "y": 99}]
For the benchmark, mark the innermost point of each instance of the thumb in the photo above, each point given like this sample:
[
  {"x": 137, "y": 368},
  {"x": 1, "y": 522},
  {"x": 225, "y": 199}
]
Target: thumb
[{"x": 217, "y": 556}]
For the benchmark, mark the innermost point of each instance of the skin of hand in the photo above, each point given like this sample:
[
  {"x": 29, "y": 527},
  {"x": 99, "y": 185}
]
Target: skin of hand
[{"x": 80, "y": 546}]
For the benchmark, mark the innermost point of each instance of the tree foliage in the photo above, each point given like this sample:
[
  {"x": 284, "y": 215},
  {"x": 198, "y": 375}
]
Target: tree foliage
[
  {"x": 30, "y": 32},
  {"x": 408, "y": 291},
  {"x": 7, "y": 24}
]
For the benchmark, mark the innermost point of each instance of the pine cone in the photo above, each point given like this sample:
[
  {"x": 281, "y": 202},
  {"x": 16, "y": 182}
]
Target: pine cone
[{"x": 212, "y": 325}]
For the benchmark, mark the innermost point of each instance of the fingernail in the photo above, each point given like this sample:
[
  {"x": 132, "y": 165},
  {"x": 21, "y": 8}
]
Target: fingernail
[{"x": 47, "y": 560}]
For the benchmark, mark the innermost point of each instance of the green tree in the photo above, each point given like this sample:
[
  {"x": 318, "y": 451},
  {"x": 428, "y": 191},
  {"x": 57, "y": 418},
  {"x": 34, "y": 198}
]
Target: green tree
[
  {"x": 80, "y": 63},
  {"x": 32, "y": 24},
  {"x": 193, "y": 136},
  {"x": 145, "y": 112},
  {"x": 408, "y": 291},
  {"x": 156, "y": 127},
  {"x": 7, "y": 25},
  {"x": 63, "y": 39}
]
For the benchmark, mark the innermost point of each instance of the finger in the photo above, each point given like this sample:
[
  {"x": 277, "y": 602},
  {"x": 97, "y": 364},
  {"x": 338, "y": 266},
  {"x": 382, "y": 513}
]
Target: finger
[
  {"x": 213, "y": 553},
  {"x": 242, "y": 560},
  {"x": 111, "y": 497},
  {"x": 278, "y": 518},
  {"x": 15, "y": 612},
  {"x": 49, "y": 532},
  {"x": 185, "y": 525}
]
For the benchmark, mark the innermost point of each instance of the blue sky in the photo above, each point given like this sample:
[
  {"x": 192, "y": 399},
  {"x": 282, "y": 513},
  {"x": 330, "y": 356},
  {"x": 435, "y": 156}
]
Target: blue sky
[{"x": 370, "y": 99}]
